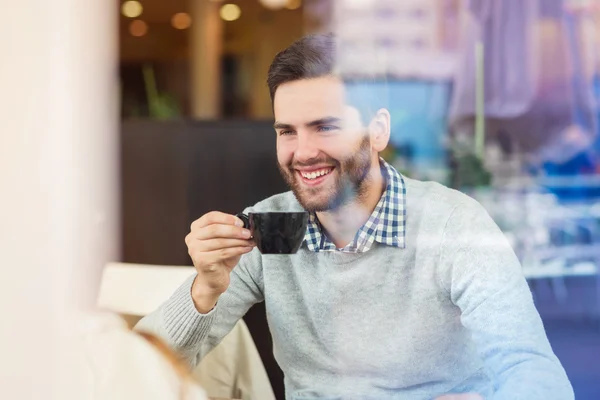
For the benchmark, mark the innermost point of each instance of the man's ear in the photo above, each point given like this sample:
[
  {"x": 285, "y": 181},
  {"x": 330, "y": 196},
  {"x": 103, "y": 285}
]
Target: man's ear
[{"x": 379, "y": 129}]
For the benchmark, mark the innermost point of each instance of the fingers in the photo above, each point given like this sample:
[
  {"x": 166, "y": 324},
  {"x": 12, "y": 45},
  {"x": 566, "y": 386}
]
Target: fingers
[
  {"x": 220, "y": 231},
  {"x": 216, "y": 244},
  {"x": 217, "y": 225},
  {"x": 215, "y": 240},
  {"x": 213, "y": 258},
  {"x": 216, "y": 217}
]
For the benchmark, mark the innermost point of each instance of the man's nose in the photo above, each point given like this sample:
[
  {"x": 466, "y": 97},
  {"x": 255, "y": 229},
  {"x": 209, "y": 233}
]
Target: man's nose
[{"x": 306, "y": 149}]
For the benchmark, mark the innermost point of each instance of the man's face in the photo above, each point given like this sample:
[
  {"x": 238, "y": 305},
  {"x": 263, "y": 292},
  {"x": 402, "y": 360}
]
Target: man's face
[{"x": 323, "y": 149}]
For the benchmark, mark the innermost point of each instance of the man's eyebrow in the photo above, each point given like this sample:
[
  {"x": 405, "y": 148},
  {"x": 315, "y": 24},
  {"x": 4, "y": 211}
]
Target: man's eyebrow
[
  {"x": 324, "y": 121},
  {"x": 317, "y": 122},
  {"x": 281, "y": 125}
]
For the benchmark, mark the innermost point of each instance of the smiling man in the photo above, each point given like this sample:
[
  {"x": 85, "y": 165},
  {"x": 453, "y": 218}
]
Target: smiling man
[{"x": 401, "y": 290}]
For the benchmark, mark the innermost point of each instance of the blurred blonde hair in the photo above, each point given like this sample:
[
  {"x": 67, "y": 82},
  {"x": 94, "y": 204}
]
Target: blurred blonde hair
[{"x": 180, "y": 369}]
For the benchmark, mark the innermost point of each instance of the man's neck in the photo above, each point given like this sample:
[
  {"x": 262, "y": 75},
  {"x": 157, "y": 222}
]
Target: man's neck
[{"x": 342, "y": 224}]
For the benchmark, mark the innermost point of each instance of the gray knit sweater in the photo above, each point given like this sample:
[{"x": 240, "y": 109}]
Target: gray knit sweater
[{"x": 449, "y": 313}]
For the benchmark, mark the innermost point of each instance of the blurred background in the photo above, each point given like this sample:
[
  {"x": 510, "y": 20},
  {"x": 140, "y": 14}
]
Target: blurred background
[{"x": 499, "y": 99}]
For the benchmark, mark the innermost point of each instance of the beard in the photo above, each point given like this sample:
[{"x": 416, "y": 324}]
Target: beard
[{"x": 350, "y": 183}]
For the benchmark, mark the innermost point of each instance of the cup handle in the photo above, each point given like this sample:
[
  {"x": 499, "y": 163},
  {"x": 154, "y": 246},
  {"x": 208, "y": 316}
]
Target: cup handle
[{"x": 244, "y": 219}]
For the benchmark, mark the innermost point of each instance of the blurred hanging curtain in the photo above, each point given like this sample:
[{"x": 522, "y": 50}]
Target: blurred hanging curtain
[
  {"x": 536, "y": 85},
  {"x": 505, "y": 27}
]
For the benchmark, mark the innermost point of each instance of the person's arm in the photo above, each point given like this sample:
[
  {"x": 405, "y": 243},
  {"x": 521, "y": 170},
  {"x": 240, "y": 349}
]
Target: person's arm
[
  {"x": 192, "y": 334},
  {"x": 484, "y": 279}
]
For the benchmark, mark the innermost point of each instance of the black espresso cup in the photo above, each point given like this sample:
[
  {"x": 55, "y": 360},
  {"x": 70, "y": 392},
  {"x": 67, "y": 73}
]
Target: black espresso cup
[{"x": 276, "y": 232}]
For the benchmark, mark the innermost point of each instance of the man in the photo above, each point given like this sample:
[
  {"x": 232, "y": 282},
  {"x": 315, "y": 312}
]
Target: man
[{"x": 402, "y": 289}]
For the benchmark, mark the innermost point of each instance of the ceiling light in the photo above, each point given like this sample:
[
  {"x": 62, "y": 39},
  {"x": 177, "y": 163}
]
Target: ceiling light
[
  {"x": 181, "y": 20},
  {"x": 132, "y": 9},
  {"x": 138, "y": 28},
  {"x": 230, "y": 12},
  {"x": 274, "y": 4},
  {"x": 293, "y": 4}
]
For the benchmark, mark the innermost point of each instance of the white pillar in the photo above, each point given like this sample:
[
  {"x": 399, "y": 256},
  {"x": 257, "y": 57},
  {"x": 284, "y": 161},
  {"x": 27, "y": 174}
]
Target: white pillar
[
  {"x": 58, "y": 179},
  {"x": 206, "y": 40}
]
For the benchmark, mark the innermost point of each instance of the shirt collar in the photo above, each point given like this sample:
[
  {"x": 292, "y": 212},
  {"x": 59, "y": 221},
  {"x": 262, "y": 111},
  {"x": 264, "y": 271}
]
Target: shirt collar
[{"x": 386, "y": 225}]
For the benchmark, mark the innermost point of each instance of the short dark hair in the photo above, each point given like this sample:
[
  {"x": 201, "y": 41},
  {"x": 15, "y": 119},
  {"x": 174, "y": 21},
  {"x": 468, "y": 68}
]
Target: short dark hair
[{"x": 314, "y": 56}]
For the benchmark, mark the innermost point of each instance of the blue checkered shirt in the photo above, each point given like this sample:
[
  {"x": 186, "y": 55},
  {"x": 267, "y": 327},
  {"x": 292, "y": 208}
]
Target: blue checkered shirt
[{"x": 386, "y": 225}]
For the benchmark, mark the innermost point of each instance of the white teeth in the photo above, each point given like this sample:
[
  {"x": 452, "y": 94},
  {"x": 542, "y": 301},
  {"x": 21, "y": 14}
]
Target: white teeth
[{"x": 313, "y": 175}]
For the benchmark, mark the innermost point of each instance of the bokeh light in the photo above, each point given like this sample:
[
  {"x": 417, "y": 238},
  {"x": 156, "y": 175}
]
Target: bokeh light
[
  {"x": 230, "y": 12},
  {"x": 138, "y": 28},
  {"x": 274, "y": 4},
  {"x": 293, "y": 4},
  {"x": 181, "y": 21},
  {"x": 132, "y": 9}
]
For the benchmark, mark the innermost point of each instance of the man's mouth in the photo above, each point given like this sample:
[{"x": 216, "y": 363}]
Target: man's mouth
[{"x": 315, "y": 176}]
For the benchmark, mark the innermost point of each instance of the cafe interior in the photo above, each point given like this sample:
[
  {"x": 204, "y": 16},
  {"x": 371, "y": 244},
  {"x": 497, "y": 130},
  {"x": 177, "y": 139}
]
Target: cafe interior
[{"x": 155, "y": 113}]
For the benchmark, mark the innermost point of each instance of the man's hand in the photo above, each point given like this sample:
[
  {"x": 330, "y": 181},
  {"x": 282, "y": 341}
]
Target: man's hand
[
  {"x": 215, "y": 243},
  {"x": 461, "y": 396}
]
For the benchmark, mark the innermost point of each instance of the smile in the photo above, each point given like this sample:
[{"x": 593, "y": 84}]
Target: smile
[{"x": 316, "y": 176}]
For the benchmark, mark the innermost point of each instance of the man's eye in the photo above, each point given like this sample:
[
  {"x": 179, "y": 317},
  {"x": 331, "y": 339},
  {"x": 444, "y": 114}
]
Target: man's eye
[
  {"x": 284, "y": 133},
  {"x": 327, "y": 128}
]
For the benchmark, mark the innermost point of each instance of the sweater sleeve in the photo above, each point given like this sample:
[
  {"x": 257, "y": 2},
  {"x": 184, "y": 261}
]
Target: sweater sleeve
[
  {"x": 485, "y": 280},
  {"x": 192, "y": 334}
]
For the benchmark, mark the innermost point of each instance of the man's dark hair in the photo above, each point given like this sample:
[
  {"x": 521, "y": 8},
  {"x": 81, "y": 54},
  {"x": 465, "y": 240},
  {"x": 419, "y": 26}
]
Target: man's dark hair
[{"x": 314, "y": 56}]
